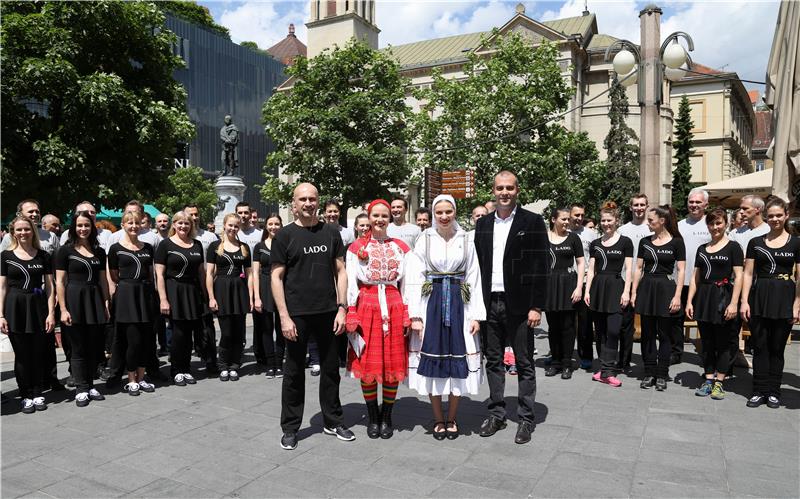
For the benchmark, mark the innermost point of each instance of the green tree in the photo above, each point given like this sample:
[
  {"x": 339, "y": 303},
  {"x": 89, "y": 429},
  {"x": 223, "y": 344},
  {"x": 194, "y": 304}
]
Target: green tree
[
  {"x": 342, "y": 126},
  {"x": 90, "y": 109},
  {"x": 197, "y": 14},
  {"x": 501, "y": 115},
  {"x": 188, "y": 186},
  {"x": 682, "y": 172},
  {"x": 622, "y": 151}
]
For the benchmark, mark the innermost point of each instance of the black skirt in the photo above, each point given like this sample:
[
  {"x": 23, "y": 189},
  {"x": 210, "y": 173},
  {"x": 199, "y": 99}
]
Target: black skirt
[
  {"x": 135, "y": 302},
  {"x": 232, "y": 296},
  {"x": 710, "y": 302},
  {"x": 265, "y": 288},
  {"x": 185, "y": 300},
  {"x": 25, "y": 311},
  {"x": 654, "y": 295},
  {"x": 771, "y": 298},
  {"x": 606, "y": 293},
  {"x": 560, "y": 286},
  {"x": 85, "y": 303}
]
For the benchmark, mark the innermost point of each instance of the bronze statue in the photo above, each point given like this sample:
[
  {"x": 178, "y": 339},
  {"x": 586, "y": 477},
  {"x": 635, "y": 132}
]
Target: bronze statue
[{"x": 229, "y": 135}]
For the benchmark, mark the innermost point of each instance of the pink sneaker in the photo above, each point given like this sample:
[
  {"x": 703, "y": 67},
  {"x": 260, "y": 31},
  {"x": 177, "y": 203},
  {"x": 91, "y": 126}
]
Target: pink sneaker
[
  {"x": 596, "y": 377},
  {"x": 613, "y": 381}
]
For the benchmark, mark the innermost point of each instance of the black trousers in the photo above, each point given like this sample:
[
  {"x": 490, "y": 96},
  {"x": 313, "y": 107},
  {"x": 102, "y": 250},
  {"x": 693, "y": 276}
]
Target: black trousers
[
  {"x": 626, "y": 337},
  {"x": 677, "y": 326},
  {"x": 272, "y": 339},
  {"x": 609, "y": 331},
  {"x": 48, "y": 361},
  {"x": 205, "y": 338},
  {"x": 259, "y": 348},
  {"x": 561, "y": 336},
  {"x": 768, "y": 338},
  {"x": 181, "y": 345},
  {"x": 656, "y": 359},
  {"x": 28, "y": 348},
  {"x": 720, "y": 344},
  {"x": 88, "y": 344},
  {"x": 120, "y": 350},
  {"x": 503, "y": 328},
  {"x": 586, "y": 333},
  {"x": 140, "y": 344},
  {"x": 231, "y": 342},
  {"x": 320, "y": 327},
  {"x": 160, "y": 326}
]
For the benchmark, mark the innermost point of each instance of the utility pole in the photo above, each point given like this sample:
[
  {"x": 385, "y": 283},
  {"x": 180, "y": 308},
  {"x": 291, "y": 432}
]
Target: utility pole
[{"x": 650, "y": 173}]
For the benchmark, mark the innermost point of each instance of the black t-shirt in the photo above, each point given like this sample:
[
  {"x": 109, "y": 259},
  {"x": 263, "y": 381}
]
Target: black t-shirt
[
  {"x": 770, "y": 262},
  {"x": 309, "y": 254},
  {"x": 80, "y": 268},
  {"x": 563, "y": 254},
  {"x": 660, "y": 260},
  {"x": 264, "y": 257},
  {"x": 182, "y": 264},
  {"x": 718, "y": 265},
  {"x": 131, "y": 265},
  {"x": 610, "y": 259},
  {"x": 228, "y": 264},
  {"x": 25, "y": 274}
]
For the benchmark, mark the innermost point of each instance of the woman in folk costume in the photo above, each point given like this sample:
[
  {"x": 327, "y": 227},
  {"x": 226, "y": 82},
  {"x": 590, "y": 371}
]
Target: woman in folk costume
[
  {"x": 445, "y": 302},
  {"x": 375, "y": 265}
]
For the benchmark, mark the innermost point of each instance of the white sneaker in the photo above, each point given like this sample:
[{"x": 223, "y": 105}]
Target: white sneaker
[
  {"x": 27, "y": 406},
  {"x": 180, "y": 380},
  {"x": 147, "y": 387},
  {"x": 132, "y": 389},
  {"x": 39, "y": 404},
  {"x": 82, "y": 399},
  {"x": 315, "y": 370},
  {"x": 189, "y": 379},
  {"x": 95, "y": 395},
  {"x": 234, "y": 375}
]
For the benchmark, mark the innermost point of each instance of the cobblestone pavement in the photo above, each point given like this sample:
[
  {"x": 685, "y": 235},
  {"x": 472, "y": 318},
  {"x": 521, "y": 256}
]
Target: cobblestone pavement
[{"x": 218, "y": 439}]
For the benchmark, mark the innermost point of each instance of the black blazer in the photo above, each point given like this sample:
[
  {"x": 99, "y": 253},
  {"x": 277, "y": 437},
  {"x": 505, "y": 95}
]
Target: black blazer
[{"x": 526, "y": 261}]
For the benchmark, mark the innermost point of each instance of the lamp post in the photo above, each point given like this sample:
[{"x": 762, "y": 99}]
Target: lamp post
[{"x": 648, "y": 65}]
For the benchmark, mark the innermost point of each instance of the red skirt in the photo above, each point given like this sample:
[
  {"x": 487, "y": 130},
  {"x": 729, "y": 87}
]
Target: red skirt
[{"x": 385, "y": 356}]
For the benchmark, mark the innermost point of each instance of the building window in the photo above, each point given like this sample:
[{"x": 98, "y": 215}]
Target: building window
[{"x": 760, "y": 165}]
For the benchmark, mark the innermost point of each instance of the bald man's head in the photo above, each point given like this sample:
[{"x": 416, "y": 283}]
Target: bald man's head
[{"x": 305, "y": 203}]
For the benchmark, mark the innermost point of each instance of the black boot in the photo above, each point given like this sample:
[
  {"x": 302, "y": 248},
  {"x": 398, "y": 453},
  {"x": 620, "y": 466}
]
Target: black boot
[
  {"x": 373, "y": 428},
  {"x": 386, "y": 421}
]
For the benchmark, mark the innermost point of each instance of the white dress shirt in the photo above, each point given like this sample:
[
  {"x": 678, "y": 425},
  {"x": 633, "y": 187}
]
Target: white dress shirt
[{"x": 502, "y": 226}]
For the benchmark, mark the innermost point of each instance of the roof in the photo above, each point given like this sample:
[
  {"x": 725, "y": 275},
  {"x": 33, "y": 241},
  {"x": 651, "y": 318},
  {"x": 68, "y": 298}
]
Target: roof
[
  {"x": 763, "y": 129},
  {"x": 455, "y": 48},
  {"x": 755, "y": 96},
  {"x": 699, "y": 68},
  {"x": 600, "y": 41},
  {"x": 287, "y": 50}
]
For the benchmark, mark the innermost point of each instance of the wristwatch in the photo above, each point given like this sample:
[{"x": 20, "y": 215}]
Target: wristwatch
[{"x": 342, "y": 306}]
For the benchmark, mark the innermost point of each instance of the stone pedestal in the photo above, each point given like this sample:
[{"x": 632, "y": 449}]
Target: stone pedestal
[{"x": 230, "y": 191}]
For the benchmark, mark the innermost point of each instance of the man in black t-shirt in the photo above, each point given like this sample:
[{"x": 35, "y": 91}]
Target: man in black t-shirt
[{"x": 309, "y": 286}]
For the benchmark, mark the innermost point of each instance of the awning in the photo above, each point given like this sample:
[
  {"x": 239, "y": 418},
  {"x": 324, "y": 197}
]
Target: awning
[
  {"x": 783, "y": 97},
  {"x": 728, "y": 192}
]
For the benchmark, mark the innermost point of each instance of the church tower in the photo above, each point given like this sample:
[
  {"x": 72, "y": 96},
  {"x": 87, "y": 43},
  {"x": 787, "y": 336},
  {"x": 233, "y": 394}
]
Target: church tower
[{"x": 335, "y": 22}]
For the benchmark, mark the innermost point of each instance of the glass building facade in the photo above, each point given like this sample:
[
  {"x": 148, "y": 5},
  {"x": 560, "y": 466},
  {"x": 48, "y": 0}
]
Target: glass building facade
[{"x": 221, "y": 78}]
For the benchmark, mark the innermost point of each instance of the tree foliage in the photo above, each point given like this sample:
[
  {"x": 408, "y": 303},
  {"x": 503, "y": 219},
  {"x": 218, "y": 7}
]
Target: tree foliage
[
  {"x": 342, "y": 126},
  {"x": 90, "y": 109},
  {"x": 682, "y": 172},
  {"x": 197, "y": 14},
  {"x": 500, "y": 116},
  {"x": 622, "y": 150},
  {"x": 188, "y": 186}
]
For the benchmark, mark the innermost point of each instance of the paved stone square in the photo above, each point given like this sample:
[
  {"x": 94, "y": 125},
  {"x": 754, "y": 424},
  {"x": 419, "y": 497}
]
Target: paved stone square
[{"x": 219, "y": 439}]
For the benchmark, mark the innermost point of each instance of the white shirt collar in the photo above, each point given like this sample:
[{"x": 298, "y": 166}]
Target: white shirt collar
[{"x": 508, "y": 218}]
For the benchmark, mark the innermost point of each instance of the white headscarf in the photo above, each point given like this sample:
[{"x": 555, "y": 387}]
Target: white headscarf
[{"x": 449, "y": 199}]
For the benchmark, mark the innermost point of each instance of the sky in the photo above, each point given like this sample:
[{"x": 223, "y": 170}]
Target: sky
[{"x": 729, "y": 35}]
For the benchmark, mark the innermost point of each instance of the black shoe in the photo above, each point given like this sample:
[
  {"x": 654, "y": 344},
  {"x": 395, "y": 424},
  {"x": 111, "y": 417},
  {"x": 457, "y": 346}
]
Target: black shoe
[
  {"x": 511, "y": 370},
  {"x": 386, "y": 421},
  {"x": 82, "y": 399},
  {"x": 341, "y": 432},
  {"x": 224, "y": 376},
  {"x": 95, "y": 395},
  {"x": 661, "y": 384},
  {"x": 566, "y": 374},
  {"x": 675, "y": 358},
  {"x": 278, "y": 372},
  {"x": 524, "y": 431},
  {"x": 289, "y": 440},
  {"x": 105, "y": 374},
  {"x": 647, "y": 382},
  {"x": 773, "y": 402},
  {"x": 439, "y": 435},
  {"x": 756, "y": 400},
  {"x": 39, "y": 404},
  {"x": 70, "y": 382},
  {"x": 552, "y": 371},
  {"x": 374, "y": 425},
  {"x": 451, "y": 434},
  {"x": 234, "y": 376},
  {"x": 270, "y": 373},
  {"x": 491, "y": 425}
]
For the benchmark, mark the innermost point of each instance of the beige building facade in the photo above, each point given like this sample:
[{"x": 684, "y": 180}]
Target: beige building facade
[{"x": 723, "y": 127}]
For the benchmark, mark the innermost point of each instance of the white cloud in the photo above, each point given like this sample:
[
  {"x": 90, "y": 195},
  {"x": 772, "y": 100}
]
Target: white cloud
[{"x": 265, "y": 23}]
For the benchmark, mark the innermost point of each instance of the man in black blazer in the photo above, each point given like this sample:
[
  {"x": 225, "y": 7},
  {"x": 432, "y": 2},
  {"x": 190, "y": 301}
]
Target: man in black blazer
[{"x": 512, "y": 248}]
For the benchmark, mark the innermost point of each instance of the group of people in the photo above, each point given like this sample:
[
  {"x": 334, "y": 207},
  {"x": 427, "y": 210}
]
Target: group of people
[{"x": 437, "y": 308}]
